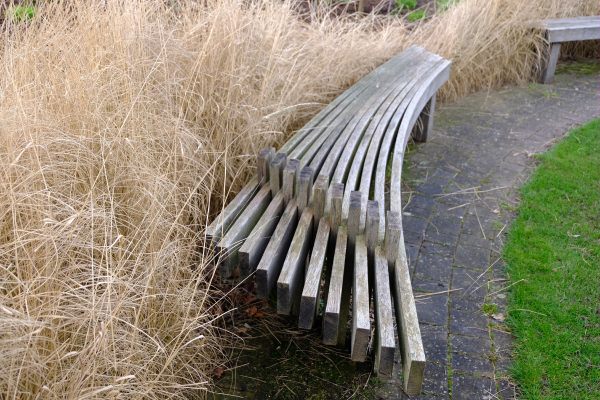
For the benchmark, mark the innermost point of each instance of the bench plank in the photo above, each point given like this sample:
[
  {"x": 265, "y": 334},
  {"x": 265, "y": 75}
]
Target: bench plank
[
  {"x": 289, "y": 283},
  {"x": 312, "y": 284},
  {"x": 272, "y": 259},
  {"x": 234, "y": 238},
  {"x": 384, "y": 317},
  {"x": 361, "y": 324},
  {"x": 336, "y": 308},
  {"x": 254, "y": 246}
]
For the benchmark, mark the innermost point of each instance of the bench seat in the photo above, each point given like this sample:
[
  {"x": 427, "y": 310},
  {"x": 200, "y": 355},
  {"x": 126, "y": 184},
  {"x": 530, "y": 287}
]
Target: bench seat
[
  {"x": 322, "y": 220},
  {"x": 563, "y": 30}
]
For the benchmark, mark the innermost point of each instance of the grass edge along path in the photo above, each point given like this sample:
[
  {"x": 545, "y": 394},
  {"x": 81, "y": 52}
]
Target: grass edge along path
[{"x": 553, "y": 258}]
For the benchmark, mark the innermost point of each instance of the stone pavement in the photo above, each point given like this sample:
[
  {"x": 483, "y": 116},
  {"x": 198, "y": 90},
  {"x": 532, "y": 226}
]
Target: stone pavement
[{"x": 462, "y": 193}]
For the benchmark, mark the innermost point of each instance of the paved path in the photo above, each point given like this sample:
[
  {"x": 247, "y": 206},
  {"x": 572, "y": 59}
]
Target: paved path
[{"x": 463, "y": 191}]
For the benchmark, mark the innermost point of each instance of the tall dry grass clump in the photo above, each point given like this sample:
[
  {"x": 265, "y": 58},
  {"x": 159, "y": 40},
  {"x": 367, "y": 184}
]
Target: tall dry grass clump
[{"x": 125, "y": 124}]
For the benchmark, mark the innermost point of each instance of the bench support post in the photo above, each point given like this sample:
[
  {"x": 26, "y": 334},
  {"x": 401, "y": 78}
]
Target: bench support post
[
  {"x": 548, "y": 72},
  {"x": 425, "y": 124}
]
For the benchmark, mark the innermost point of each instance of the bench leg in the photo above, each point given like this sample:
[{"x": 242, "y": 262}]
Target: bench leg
[
  {"x": 425, "y": 123},
  {"x": 548, "y": 72}
]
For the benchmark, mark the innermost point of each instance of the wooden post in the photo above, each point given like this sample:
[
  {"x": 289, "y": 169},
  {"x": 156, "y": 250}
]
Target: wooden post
[
  {"x": 354, "y": 212},
  {"x": 337, "y": 197},
  {"x": 547, "y": 75},
  {"x": 393, "y": 234},
  {"x": 424, "y": 125},
  {"x": 372, "y": 226}
]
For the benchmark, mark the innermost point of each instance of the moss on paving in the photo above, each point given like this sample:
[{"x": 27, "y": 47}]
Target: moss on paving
[{"x": 553, "y": 257}]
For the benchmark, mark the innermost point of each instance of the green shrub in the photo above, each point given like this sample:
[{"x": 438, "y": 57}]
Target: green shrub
[
  {"x": 402, "y": 4},
  {"x": 22, "y": 13},
  {"x": 416, "y": 15}
]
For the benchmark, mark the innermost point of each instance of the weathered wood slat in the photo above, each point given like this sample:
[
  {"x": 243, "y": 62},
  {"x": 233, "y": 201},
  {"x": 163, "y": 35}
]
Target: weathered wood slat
[
  {"x": 427, "y": 89},
  {"x": 336, "y": 194},
  {"x": 572, "y": 29},
  {"x": 263, "y": 160},
  {"x": 272, "y": 259},
  {"x": 372, "y": 226},
  {"x": 361, "y": 323},
  {"x": 233, "y": 239},
  {"x": 336, "y": 308},
  {"x": 290, "y": 173},
  {"x": 312, "y": 283},
  {"x": 305, "y": 183},
  {"x": 384, "y": 317},
  {"x": 319, "y": 197},
  {"x": 289, "y": 284},
  {"x": 254, "y": 246},
  {"x": 390, "y": 135},
  {"x": 413, "y": 354},
  {"x": 221, "y": 224},
  {"x": 276, "y": 172}
]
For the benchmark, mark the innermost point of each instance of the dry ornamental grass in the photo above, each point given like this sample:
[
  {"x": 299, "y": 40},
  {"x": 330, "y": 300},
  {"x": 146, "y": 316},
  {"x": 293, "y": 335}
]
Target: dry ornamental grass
[{"x": 125, "y": 124}]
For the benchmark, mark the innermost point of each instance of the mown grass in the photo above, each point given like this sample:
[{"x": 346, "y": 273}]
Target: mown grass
[{"x": 553, "y": 254}]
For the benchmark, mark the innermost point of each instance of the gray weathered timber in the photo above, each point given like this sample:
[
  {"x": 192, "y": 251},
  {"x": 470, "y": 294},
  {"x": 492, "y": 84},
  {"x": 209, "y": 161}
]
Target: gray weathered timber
[
  {"x": 276, "y": 172},
  {"x": 413, "y": 354},
  {"x": 563, "y": 30},
  {"x": 384, "y": 318},
  {"x": 361, "y": 324},
  {"x": 312, "y": 283},
  {"x": 233, "y": 239},
  {"x": 290, "y": 173},
  {"x": 356, "y": 209},
  {"x": 393, "y": 235},
  {"x": 272, "y": 259},
  {"x": 372, "y": 226},
  {"x": 289, "y": 284},
  {"x": 305, "y": 183},
  {"x": 437, "y": 77},
  {"x": 428, "y": 69},
  {"x": 336, "y": 194},
  {"x": 263, "y": 160},
  {"x": 572, "y": 29},
  {"x": 319, "y": 197},
  {"x": 336, "y": 309},
  {"x": 254, "y": 246},
  {"x": 350, "y": 165},
  {"x": 221, "y": 224},
  {"x": 548, "y": 71},
  {"x": 425, "y": 122}
]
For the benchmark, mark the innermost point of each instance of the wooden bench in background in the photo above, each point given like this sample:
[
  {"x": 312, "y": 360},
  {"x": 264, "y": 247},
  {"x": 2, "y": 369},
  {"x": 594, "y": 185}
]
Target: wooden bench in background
[
  {"x": 563, "y": 30},
  {"x": 322, "y": 220}
]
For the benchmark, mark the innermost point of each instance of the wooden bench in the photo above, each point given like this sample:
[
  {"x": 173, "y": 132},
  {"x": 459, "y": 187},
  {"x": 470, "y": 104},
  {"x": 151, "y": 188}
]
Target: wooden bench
[
  {"x": 563, "y": 30},
  {"x": 322, "y": 221}
]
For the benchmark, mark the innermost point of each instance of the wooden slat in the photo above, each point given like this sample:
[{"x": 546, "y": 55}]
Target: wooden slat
[
  {"x": 312, "y": 283},
  {"x": 350, "y": 164},
  {"x": 319, "y": 197},
  {"x": 252, "y": 250},
  {"x": 289, "y": 284},
  {"x": 356, "y": 209},
  {"x": 336, "y": 194},
  {"x": 438, "y": 76},
  {"x": 372, "y": 226},
  {"x": 221, "y": 224},
  {"x": 393, "y": 231},
  {"x": 272, "y": 259},
  {"x": 305, "y": 183},
  {"x": 233, "y": 239},
  {"x": 290, "y": 173},
  {"x": 384, "y": 317},
  {"x": 307, "y": 142},
  {"x": 413, "y": 354},
  {"x": 361, "y": 324},
  {"x": 336, "y": 308},
  {"x": 263, "y": 160},
  {"x": 276, "y": 172},
  {"x": 572, "y": 29}
]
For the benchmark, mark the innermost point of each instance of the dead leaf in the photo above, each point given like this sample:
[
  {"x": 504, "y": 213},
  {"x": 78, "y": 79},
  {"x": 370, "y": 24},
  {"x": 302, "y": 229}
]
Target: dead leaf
[
  {"x": 218, "y": 372},
  {"x": 498, "y": 317},
  {"x": 252, "y": 311}
]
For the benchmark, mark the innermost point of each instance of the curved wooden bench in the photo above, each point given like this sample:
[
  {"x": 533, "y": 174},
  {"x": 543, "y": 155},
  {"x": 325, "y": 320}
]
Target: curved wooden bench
[
  {"x": 322, "y": 219},
  {"x": 558, "y": 31}
]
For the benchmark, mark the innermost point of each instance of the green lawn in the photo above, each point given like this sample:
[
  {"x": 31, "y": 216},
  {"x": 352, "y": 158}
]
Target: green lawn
[{"x": 553, "y": 257}]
